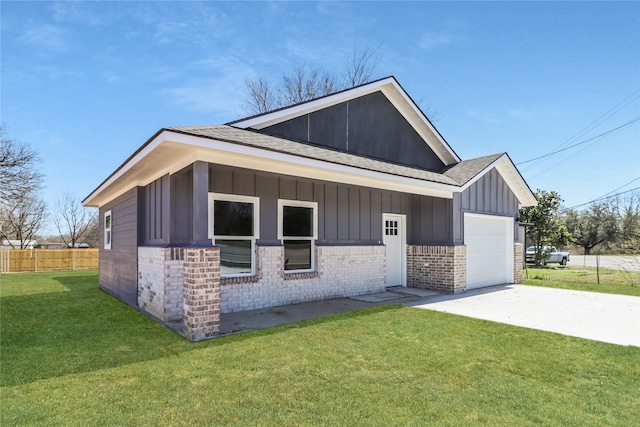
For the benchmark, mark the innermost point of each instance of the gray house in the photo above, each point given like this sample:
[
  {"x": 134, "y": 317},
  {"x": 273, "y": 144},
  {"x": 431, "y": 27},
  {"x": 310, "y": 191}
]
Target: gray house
[{"x": 342, "y": 195}]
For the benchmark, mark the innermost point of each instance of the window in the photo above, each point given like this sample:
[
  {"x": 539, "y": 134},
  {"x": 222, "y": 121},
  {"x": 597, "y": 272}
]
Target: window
[
  {"x": 233, "y": 227},
  {"x": 297, "y": 228},
  {"x": 107, "y": 229},
  {"x": 391, "y": 228}
]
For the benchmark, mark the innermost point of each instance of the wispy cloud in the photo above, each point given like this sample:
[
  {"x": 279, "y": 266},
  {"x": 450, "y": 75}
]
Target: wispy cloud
[
  {"x": 48, "y": 37},
  {"x": 220, "y": 94},
  {"x": 431, "y": 41},
  {"x": 485, "y": 116},
  {"x": 514, "y": 114}
]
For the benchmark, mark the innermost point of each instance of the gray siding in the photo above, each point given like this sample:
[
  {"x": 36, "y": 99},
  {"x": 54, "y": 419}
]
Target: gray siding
[
  {"x": 119, "y": 265},
  {"x": 369, "y": 126},
  {"x": 346, "y": 214},
  {"x": 155, "y": 202},
  {"x": 488, "y": 195}
]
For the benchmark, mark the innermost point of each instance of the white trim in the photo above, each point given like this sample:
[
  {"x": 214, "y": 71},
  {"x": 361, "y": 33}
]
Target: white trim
[
  {"x": 403, "y": 237},
  {"x": 256, "y": 226},
  {"x": 107, "y": 231},
  {"x": 299, "y": 203}
]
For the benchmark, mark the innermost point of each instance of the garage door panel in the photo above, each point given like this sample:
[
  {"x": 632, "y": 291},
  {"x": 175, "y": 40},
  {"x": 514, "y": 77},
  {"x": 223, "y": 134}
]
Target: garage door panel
[{"x": 489, "y": 242}]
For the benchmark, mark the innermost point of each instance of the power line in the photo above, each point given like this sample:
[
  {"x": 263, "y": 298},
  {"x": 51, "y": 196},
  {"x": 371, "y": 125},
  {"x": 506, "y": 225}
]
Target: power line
[
  {"x": 595, "y": 123},
  {"x": 605, "y": 198},
  {"x": 581, "y": 142},
  {"x": 621, "y": 187}
]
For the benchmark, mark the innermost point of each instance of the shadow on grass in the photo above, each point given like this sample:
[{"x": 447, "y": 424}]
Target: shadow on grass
[{"x": 48, "y": 335}]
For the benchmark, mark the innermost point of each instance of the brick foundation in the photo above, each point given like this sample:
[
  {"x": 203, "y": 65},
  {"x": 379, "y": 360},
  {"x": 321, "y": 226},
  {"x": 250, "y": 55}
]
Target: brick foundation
[
  {"x": 201, "y": 293},
  {"x": 437, "y": 268}
]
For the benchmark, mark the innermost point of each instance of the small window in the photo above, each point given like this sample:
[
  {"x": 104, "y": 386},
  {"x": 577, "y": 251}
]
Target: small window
[
  {"x": 233, "y": 227},
  {"x": 107, "y": 229},
  {"x": 297, "y": 228},
  {"x": 391, "y": 228}
]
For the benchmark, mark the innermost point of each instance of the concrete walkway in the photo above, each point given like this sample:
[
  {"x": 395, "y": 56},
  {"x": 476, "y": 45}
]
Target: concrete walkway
[{"x": 602, "y": 317}]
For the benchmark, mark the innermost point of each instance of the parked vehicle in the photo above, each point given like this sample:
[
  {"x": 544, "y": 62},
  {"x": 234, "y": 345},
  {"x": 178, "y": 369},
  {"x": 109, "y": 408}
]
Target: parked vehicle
[{"x": 550, "y": 254}]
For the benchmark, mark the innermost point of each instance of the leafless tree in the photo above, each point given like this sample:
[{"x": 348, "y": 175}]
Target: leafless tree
[
  {"x": 362, "y": 65},
  {"x": 21, "y": 219},
  {"x": 22, "y": 210},
  {"x": 304, "y": 83},
  {"x": 260, "y": 96},
  {"x": 72, "y": 220},
  {"x": 19, "y": 174}
]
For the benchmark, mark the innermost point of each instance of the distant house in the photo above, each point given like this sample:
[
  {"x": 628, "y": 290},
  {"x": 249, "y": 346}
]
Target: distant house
[
  {"x": 51, "y": 245},
  {"x": 342, "y": 195},
  {"x": 18, "y": 244}
]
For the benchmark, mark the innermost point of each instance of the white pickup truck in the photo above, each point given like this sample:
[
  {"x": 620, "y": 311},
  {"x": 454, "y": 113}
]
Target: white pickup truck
[{"x": 553, "y": 255}]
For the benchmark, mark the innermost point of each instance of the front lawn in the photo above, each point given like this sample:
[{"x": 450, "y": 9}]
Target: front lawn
[
  {"x": 584, "y": 279},
  {"x": 72, "y": 355}
]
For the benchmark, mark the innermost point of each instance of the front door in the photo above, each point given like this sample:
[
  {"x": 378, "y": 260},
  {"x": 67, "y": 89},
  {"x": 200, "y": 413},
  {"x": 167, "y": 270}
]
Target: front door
[{"x": 394, "y": 238}]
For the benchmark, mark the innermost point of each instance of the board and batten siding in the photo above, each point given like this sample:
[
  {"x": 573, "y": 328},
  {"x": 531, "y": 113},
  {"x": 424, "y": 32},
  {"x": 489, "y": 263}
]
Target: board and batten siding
[
  {"x": 119, "y": 265},
  {"x": 368, "y": 126},
  {"x": 346, "y": 214},
  {"x": 489, "y": 195}
]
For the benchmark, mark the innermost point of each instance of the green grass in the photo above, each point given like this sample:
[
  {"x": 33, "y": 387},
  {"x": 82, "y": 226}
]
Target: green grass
[
  {"x": 585, "y": 279},
  {"x": 72, "y": 355}
]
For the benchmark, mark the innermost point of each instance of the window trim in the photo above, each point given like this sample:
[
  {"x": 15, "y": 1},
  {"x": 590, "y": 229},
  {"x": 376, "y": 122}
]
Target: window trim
[
  {"x": 108, "y": 231},
  {"x": 299, "y": 203},
  {"x": 213, "y": 197}
]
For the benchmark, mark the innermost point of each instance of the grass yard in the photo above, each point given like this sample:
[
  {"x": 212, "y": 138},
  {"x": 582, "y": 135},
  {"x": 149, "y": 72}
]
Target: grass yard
[
  {"x": 585, "y": 279},
  {"x": 72, "y": 355}
]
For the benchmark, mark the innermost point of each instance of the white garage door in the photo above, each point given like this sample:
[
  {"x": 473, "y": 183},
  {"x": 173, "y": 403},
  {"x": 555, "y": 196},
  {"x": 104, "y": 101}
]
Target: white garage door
[{"x": 489, "y": 241}]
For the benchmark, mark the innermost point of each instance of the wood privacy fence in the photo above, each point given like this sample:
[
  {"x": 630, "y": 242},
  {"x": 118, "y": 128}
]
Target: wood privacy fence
[{"x": 17, "y": 260}]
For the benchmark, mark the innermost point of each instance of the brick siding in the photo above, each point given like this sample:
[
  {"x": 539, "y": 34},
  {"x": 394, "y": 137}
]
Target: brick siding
[
  {"x": 437, "y": 268},
  {"x": 341, "y": 271},
  {"x": 160, "y": 278},
  {"x": 517, "y": 262},
  {"x": 201, "y": 292}
]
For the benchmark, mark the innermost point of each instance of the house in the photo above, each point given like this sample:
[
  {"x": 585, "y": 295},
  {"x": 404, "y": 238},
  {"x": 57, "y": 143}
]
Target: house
[
  {"x": 342, "y": 195},
  {"x": 18, "y": 244}
]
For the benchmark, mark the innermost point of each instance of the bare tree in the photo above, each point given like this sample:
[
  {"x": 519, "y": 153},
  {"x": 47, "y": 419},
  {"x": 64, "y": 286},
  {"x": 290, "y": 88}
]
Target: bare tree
[
  {"x": 362, "y": 65},
  {"x": 21, "y": 219},
  {"x": 304, "y": 83},
  {"x": 260, "y": 96},
  {"x": 72, "y": 220},
  {"x": 18, "y": 168},
  {"x": 21, "y": 208}
]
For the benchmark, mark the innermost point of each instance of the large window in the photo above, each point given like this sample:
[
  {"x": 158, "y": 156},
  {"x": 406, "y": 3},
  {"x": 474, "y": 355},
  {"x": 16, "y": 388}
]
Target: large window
[
  {"x": 233, "y": 227},
  {"x": 297, "y": 228},
  {"x": 107, "y": 229}
]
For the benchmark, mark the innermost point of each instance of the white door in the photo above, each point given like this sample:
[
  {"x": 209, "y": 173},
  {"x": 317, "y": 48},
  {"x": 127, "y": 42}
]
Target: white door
[
  {"x": 394, "y": 238},
  {"x": 489, "y": 242}
]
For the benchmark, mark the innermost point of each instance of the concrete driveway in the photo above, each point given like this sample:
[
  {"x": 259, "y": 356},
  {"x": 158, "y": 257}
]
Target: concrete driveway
[{"x": 602, "y": 317}]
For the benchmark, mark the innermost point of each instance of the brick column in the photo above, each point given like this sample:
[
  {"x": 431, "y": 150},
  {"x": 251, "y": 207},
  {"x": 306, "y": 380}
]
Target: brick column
[
  {"x": 201, "y": 306},
  {"x": 517, "y": 262}
]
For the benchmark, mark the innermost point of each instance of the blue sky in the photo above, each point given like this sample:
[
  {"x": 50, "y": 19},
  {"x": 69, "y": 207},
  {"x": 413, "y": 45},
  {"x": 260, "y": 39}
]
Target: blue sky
[{"x": 86, "y": 83}]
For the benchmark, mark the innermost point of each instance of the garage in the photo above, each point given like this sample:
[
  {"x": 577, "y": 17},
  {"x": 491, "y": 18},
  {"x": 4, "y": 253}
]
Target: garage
[{"x": 489, "y": 242}]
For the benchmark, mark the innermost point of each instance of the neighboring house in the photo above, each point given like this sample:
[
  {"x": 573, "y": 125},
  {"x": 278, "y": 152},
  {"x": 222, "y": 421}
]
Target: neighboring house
[
  {"x": 18, "y": 244},
  {"x": 342, "y": 195}
]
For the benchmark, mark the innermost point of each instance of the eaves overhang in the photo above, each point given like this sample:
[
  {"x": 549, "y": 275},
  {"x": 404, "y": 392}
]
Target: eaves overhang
[
  {"x": 513, "y": 178},
  {"x": 170, "y": 151},
  {"x": 390, "y": 87}
]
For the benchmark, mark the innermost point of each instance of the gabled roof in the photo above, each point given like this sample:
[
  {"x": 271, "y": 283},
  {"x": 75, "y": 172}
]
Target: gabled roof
[
  {"x": 172, "y": 149},
  {"x": 388, "y": 86}
]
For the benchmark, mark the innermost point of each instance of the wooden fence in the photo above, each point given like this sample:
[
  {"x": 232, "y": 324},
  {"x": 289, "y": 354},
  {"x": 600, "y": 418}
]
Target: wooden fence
[{"x": 17, "y": 260}]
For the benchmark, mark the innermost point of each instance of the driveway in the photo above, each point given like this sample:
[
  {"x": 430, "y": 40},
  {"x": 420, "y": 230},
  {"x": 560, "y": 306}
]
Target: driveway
[{"x": 602, "y": 317}]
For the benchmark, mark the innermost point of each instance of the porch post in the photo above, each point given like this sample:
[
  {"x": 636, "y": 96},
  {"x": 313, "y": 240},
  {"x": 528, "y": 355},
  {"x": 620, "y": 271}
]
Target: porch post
[
  {"x": 201, "y": 292},
  {"x": 200, "y": 230}
]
